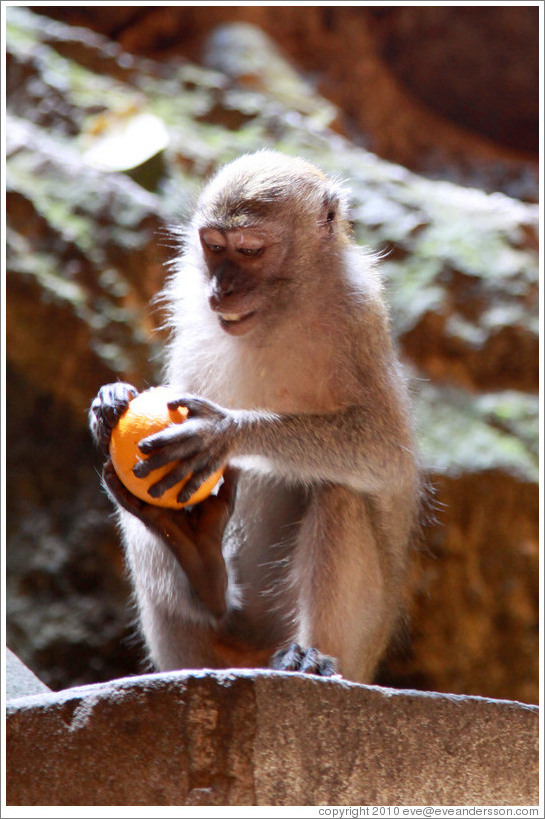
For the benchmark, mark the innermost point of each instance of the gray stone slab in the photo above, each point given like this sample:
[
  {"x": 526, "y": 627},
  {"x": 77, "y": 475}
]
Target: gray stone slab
[
  {"x": 20, "y": 680},
  {"x": 267, "y": 738}
]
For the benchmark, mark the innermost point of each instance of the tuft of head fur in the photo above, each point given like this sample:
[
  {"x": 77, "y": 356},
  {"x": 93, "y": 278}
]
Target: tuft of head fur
[{"x": 247, "y": 189}]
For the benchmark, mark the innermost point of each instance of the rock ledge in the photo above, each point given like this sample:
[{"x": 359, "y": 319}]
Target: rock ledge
[{"x": 267, "y": 738}]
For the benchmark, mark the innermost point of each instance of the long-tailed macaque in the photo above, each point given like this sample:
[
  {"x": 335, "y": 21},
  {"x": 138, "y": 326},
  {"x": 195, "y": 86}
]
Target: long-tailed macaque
[{"x": 282, "y": 352}]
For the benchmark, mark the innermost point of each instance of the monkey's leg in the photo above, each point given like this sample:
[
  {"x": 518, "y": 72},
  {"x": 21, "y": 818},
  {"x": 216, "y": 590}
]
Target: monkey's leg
[
  {"x": 178, "y": 632},
  {"x": 177, "y": 628},
  {"x": 345, "y": 608}
]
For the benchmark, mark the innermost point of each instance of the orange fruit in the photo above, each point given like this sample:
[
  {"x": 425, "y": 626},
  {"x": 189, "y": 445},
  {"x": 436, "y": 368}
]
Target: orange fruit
[{"x": 146, "y": 414}]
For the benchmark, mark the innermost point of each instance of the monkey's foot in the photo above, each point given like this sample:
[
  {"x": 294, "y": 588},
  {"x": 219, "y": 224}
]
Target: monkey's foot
[{"x": 305, "y": 660}]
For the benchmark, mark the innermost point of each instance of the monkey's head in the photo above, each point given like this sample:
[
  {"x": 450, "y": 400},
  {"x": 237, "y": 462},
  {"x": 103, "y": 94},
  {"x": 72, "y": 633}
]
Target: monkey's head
[{"x": 267, "y": 225}]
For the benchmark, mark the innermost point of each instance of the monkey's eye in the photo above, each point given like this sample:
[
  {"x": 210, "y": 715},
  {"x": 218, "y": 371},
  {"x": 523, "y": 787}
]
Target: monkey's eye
[
  {"x": 215, "y": 248},
  {"x": 250, "y": 251}
]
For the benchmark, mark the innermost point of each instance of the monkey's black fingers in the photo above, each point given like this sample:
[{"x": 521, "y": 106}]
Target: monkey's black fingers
[
  {"x": 306, "y": 661},
  {"x": 170, "y": 479},
  {"x": 189, "y": 489},
  {"x": 112, "y": 400},
  {"x": 197, "y": 469},
  {"x": 196, "y": 406},
  {"x": 173, "y": 439},
  {"x": 107, "y": 408},
  {"x": 198, "y": 477},
  {"x": 185, "y": 452}
]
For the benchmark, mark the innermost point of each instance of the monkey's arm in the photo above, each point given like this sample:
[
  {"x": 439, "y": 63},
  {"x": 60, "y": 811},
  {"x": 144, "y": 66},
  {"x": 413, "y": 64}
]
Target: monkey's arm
[
  {"x": 358, "y": 447},
  {"x": 193, "y": 535}
]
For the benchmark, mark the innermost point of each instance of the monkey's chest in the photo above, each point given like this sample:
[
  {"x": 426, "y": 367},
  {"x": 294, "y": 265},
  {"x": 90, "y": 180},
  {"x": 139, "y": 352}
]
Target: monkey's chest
[{"x": 284, "y": 383}]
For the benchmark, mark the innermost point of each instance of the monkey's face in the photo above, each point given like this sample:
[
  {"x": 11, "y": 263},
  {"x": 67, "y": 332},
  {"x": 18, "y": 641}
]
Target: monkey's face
[{"x": 243, "y": 268}]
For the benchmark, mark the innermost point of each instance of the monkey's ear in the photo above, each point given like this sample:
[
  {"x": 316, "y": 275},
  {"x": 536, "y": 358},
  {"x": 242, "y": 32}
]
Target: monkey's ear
[{"x": 329, "y": 213}]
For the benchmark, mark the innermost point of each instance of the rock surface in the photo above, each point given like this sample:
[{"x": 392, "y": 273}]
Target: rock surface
[
  {"x": 86, "y": 252},
  {"x": 20, "y": 681},
  {"x": 267, "y": 738}
]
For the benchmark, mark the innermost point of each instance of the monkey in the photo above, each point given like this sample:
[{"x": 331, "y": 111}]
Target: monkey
[{"x": 282, "y": 351}]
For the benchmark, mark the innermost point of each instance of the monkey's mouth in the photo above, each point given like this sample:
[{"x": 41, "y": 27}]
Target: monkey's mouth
[{"x": 237, "y": 323}]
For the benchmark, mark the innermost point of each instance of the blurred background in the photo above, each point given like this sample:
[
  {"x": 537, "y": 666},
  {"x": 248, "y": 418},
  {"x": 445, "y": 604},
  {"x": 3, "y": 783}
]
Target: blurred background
[{"x": 115, "y": 116}]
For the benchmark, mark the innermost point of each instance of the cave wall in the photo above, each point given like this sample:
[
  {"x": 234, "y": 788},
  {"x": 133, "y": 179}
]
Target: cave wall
[{"x": 451, "y": 92}]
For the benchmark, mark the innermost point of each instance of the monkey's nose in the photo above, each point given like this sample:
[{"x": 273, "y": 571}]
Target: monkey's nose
[
  {"x": 219, "y": 291},
  {"x": 227, "y": 288},
  {"x": 214, "y": 300}
]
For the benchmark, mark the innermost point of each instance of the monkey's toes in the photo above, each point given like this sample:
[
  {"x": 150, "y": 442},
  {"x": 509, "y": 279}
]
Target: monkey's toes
[{"x": 306, "y": 661}]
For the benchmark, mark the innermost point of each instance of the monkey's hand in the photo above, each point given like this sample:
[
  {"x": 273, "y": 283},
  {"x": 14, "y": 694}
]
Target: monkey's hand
[
  {"x": 193, "y": 535},
  {"x": 107, "y": 408},
  {"x": 200, "y": 446}
]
